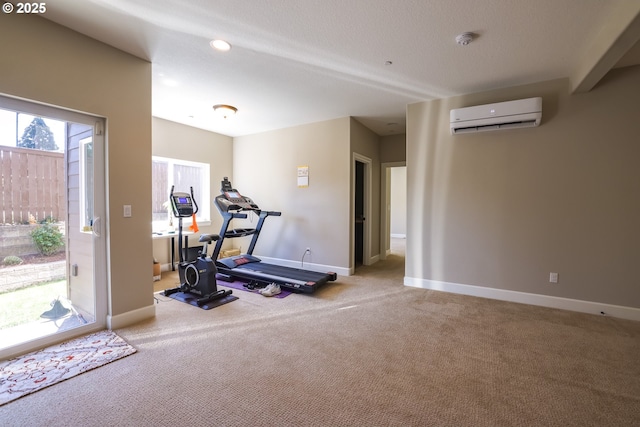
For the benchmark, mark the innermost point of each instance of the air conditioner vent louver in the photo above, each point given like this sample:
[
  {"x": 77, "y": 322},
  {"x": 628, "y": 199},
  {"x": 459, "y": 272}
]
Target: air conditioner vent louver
[
  {"x": 500, "y": 116},
  {"x": 484, "y": 128}
]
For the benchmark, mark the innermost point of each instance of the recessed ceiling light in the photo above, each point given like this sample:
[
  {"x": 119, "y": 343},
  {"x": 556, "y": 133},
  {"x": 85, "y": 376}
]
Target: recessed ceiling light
[
  {"x": 170, "y": 82},
  {"x": 220, "y": 45}
]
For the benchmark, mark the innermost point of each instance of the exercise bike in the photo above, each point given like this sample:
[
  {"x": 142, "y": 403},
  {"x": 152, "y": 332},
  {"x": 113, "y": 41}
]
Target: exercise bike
[{"x": 197, "y": 277}]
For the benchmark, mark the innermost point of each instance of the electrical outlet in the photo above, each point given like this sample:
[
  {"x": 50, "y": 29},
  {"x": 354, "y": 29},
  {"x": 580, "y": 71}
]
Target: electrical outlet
[
  {"x": 553, "y": 277},
  {"x": 308, "y": 250}
]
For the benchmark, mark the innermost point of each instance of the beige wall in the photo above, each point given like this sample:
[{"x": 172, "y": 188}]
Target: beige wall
[
  {"x": 393, "y": 148},
  {"x": 502, "y": 210},
  {"x": 265, "y": 169},
  {"x": 45, "y": 62},
  {"x": 177, "y": 141}
]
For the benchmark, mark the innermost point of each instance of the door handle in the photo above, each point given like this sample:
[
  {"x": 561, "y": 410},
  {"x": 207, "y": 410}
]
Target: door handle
[{"x": 95, "y": 227}]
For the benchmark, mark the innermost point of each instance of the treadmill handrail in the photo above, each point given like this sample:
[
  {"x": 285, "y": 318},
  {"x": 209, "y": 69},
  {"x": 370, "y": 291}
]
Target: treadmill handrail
[{"x": 234, "y": 207}]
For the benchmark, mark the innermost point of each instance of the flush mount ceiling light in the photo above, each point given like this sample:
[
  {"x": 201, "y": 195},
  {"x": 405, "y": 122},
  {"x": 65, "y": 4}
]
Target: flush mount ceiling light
[
  {"x": 464, "y": 38},
  {"x": 224, "y": 110},
  {"x": 220, "y": 45}
]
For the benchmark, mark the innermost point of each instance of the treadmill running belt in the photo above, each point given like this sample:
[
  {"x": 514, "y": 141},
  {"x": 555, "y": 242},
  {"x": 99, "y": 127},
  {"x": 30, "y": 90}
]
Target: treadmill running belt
[
  {"x": 292, "y": 278},
  {"x": 285, "y": 272}
]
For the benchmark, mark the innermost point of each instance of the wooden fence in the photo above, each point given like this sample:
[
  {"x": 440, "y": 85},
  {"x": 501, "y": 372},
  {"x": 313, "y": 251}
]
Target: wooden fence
[
  {"x": 160, "y": 190},
  {"x": 32, "y": 184}
]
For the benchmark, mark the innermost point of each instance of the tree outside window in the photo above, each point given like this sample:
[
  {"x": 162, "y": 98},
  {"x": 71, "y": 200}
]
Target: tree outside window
[{"x": 38, "y": 136}]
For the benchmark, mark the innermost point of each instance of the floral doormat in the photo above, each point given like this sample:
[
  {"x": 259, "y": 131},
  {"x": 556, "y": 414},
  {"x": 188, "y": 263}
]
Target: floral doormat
[{"x": 34, "y": 371}]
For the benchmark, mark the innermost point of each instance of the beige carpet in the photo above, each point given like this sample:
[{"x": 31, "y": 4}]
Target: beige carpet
[{"x": 364, "y": 351}]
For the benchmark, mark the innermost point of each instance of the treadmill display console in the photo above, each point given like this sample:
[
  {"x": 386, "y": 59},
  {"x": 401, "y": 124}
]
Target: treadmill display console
[
  {"x": 234, "y": 196},
  {"x": 234, "y": 200}
]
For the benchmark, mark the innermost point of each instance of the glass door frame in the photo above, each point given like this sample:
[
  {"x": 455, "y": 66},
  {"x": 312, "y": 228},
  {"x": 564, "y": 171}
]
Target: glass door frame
[{"x": 100, "y": 223}]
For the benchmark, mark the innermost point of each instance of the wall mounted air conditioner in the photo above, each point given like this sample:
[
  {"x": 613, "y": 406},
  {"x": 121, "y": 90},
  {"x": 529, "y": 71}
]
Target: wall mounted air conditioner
[{"x": 520, "y": 113}]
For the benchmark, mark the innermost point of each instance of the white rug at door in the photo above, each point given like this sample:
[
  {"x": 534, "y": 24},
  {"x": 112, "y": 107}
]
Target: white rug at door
[{"x": 34, "y": 371}]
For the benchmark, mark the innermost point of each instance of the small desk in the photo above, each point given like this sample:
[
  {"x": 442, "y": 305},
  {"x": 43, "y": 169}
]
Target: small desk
[{"x": 172, "y": 244}]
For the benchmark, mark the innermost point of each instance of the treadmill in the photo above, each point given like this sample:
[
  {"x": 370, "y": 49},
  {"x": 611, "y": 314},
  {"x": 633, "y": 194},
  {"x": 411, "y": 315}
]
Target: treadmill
[{"x": 231, "y": 205}]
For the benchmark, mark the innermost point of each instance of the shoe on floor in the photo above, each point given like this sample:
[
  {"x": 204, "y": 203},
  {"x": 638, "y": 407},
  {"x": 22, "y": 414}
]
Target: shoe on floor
[
  {"x": 271, "y": 290},
  {"x": 265, "y": 288}
]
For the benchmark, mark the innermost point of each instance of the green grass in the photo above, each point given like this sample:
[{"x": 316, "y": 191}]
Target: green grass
[{"x": 27, "y": 304}]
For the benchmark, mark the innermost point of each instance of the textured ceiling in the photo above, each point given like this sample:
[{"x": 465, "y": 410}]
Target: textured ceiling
[{"x": 302, "y": 61}]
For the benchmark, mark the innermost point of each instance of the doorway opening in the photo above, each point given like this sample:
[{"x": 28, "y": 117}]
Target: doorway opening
[
  {"x": 393, "y": 215},
  {"x": 52, "y": 199},
  {"x": 361, "y": 253}
]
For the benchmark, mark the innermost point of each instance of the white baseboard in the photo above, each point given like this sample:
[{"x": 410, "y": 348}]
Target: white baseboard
[
  {"x": 623, "y": 312},
  {"x": 131, "y": 317},
  {"x": 399, "y": 236},
  {"x": 341, "y": 271}
]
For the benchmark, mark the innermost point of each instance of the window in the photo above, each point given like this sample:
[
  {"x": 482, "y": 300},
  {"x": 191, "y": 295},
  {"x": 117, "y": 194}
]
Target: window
[
  {"x": 183, "y": 175},
  {"x": 32, "y": 181},
  {"x": 28, "y": 131}
]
